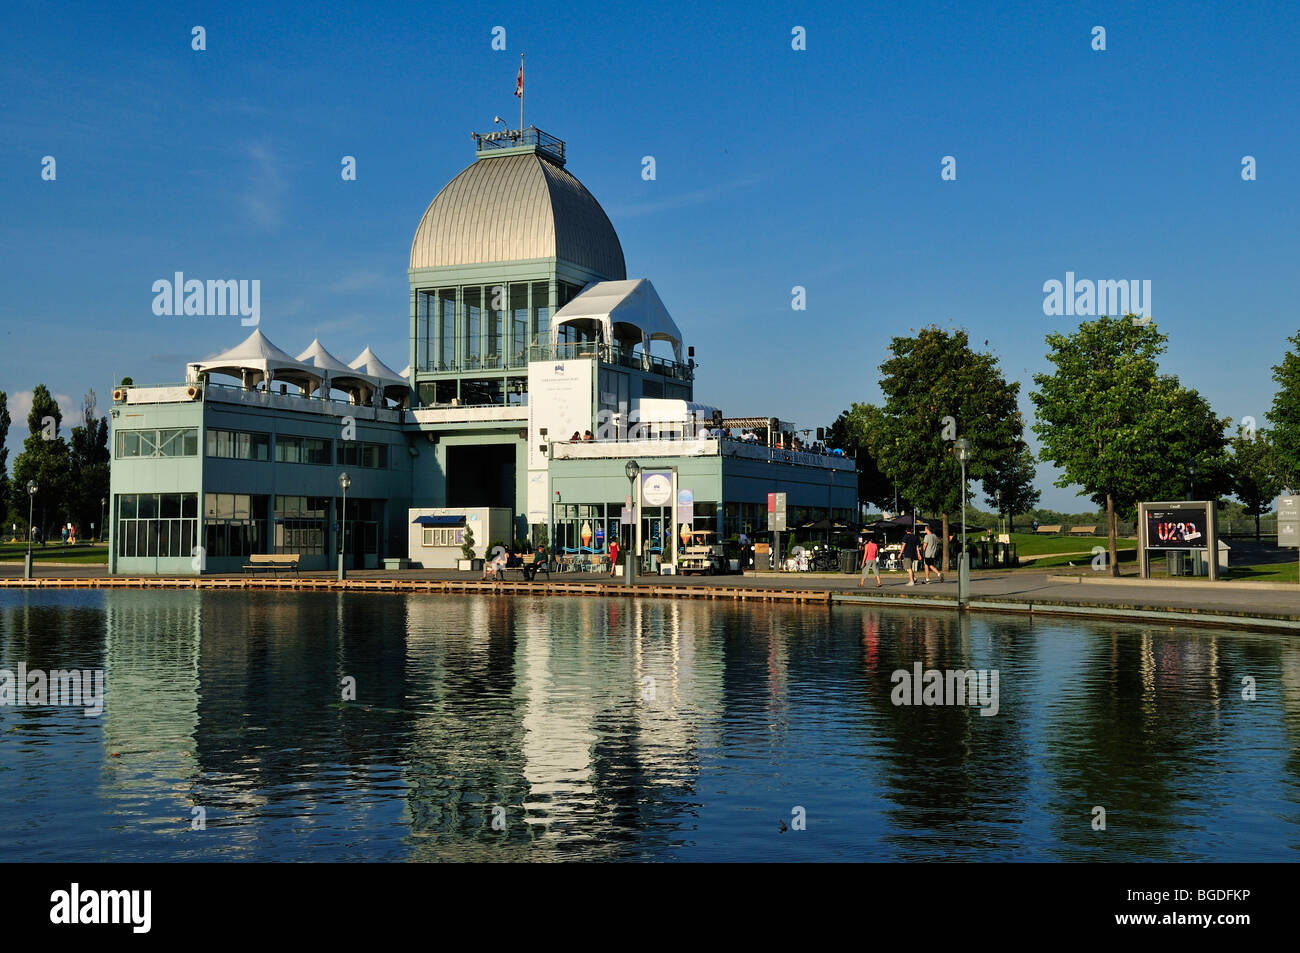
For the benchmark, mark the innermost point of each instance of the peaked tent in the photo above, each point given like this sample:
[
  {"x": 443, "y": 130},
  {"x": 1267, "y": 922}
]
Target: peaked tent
[
  {"x": 390, "y": 383},
  {"x": 256, "y": 360},
  {"x": 625, "y": 313},
  {"x": 337, "y": 374}
]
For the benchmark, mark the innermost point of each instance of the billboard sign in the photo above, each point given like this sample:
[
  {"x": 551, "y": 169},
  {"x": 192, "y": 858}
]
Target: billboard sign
[{"x": 1177, "y": 528}]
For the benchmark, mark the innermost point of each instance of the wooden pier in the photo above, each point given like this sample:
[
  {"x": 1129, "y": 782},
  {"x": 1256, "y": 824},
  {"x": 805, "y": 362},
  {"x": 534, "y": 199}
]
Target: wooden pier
[{"x": 425, "y": 586}]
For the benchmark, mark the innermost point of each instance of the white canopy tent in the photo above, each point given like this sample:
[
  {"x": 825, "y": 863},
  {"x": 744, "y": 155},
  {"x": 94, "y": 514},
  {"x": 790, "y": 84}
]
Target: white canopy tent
[
  {"x": 625, "y": 313},
  {"x": 337, "y": 374},
  {"x": 256, "y": 360},
  {"x": 390, "y": 383}
]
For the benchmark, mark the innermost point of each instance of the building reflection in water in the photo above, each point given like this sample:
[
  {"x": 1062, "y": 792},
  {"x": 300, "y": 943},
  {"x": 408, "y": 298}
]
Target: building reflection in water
[{"x": 636, "y": 728}]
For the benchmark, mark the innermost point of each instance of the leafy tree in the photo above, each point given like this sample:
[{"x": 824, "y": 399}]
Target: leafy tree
[
  {"x": 852, "y": 432},
  {"x": 1010, "y": 488},
  {"x": 4, "y": 453},
  {"x": 1285, "y": 415},
  {"x": 88, "y": 463},
  {"x": 44, "y": 458},
  {"x": 928, "y": 377},
  {"x": 1117, "y": 428},
  {"x": 1256, "y": 473}
]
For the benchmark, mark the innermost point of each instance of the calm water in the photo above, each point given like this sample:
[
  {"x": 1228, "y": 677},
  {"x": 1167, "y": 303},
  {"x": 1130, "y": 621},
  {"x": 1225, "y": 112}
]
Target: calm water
[{"x": 641, "y": 730}]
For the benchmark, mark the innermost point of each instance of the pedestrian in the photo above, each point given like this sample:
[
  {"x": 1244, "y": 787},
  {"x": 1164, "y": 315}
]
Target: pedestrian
[
  {"x": 908, "y": 556},
  {"x": 870, "y": 562},
  {"x": 65, "y": 536},
  {"x": 930, "y": 549},
  {"x": 613, "y": 555},
  {"x": 1035, "y": 526}
]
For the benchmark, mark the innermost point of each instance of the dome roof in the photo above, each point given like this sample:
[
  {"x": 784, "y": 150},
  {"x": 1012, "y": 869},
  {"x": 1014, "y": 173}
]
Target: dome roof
[{"x": 517, "y": 207}]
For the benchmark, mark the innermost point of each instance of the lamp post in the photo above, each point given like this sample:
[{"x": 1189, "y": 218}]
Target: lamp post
[
  {"x": 345, "y": 481},
  {"x": 633, "y": 470},
  {"x": 103, "y": 503},
  {"x": 962, "y": 446},
  {"x": 31, "y": 502}
]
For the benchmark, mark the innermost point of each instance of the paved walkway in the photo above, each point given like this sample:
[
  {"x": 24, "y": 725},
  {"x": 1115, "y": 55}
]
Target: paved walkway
[{"x": 1272, "y": 606}]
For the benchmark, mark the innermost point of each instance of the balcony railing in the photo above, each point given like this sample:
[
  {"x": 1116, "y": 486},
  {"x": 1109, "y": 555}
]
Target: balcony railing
[{"x": 615, "y": 355}]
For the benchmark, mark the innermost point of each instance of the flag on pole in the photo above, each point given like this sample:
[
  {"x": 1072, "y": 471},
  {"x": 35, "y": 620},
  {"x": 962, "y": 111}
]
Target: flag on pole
[{"x": 519, "y": 81}]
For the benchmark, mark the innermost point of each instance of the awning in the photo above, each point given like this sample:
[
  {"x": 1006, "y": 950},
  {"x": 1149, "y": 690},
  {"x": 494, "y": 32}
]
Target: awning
[
  {"x": 626, "y": 313},
  {"x": 439, "y": 520}
]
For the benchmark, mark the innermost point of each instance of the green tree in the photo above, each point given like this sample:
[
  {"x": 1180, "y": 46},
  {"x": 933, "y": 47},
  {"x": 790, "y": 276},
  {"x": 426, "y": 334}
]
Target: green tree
[
  {"x": 1010, "y": 488},
  {"x": 88, "y": 463},
  {"x": 930, "y": 377},
  {"x": 1285, "y": 415},
  {"x": 852, "y": 432},
  {"x": 1256, "y": 473},
  {"x": 44, "y": 458},
  {"x": 4, "y": 453},
  {"x": 1117, "y": 428}
]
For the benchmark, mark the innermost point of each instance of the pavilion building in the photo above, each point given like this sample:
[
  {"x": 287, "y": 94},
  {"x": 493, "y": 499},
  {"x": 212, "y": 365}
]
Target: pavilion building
[{"x": 524, "y": 331}]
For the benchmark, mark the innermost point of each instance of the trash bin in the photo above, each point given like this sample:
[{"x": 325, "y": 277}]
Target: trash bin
[
  {"x": 848, "y": 561},
  {"x": 762, "y": 562}
]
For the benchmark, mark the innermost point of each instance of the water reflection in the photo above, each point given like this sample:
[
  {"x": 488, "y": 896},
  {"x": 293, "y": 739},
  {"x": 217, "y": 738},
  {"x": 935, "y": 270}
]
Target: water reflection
[{"x": 622, "y": 728}]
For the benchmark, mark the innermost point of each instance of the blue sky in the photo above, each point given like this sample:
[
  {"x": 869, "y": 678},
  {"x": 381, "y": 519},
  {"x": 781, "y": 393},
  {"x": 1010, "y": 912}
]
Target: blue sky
[{"x": 775, "y": 168}]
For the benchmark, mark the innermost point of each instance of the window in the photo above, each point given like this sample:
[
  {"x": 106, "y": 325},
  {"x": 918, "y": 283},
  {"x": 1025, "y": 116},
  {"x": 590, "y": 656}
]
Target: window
[
  {"x": 172, "y": 442},
  {"x": 517, "y": 354},
  {"x": 162, "y": 525},
  {"x": 473, "y": 325},
  {"x": 302, "y": 450},
  {"x": 541, "y": 315},
  {"x": 300, "y": 524},
  {"x": 234, "y": 524},
  {"x": 237, "y": 445},
  {"x": 447, "y": 329},
  {"x": 353, "y": 453}
]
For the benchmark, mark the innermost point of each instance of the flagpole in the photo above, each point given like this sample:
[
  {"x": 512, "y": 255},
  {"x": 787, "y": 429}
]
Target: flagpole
[{"x": 521, "y": 94}]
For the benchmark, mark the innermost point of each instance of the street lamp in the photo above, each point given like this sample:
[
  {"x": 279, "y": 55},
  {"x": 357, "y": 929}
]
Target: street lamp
[
  {"x": 1190, "y": 466},
  {"x": 633, "y": 470},
  {"x": 103, "y": 504},
  {"x": 962, "y": 446},
  {"x": 345, "y": 481},
  {"x": 31, "y": 501}
]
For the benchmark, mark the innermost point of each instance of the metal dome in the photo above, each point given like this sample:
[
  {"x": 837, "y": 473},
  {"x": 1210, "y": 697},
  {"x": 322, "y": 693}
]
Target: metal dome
[{"x": 513, "y": 208}]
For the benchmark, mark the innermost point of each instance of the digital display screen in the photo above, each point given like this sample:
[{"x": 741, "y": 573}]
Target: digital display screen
[{"x": 1176, "y": 529}]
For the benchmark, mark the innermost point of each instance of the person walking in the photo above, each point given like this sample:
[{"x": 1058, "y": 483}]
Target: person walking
[
  {"x": 870, "y": 562},
  {"x": 65, "y": 536},
  {"x": 908, "y": 555},
  {"x": 930, "y": 549},
  {"x": 613, "y": 556}
]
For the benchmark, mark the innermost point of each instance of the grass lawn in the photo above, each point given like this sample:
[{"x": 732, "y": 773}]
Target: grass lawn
[
  {"x": 1265, "y": 572},
  {"x": 1031, "y": 544},
  {"x": 56, "y": 553}
]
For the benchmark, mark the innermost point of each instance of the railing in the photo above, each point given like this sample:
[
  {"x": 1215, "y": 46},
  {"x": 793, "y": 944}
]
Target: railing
[
  {"x": 613, "y": 354},
  {"x": 513, "y": 138},
  {"x": 757, "y": 451},
  {"x": 237, "y": 394}
]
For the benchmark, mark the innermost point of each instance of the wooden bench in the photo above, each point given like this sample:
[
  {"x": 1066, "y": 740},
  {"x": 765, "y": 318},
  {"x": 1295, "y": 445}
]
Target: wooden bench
[
  {"x": 529, "y": 567},
  {"x": 1083, "y": 530},
  {"x": 1054, "y": 530},
  {"x": 273, "y": 562}
]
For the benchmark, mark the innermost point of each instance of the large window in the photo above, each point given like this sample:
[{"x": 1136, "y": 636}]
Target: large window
[
  {"x": 473, "y": 326},
  {"x": 173, "y": 442},
  {"x": 234, "y": 524},
  {"x": 447, "y": 329},
  {"x": 302, "y": 450},
  {"x": 353, "y": 453},
  {"x": 238, "y": 445},
  {"x": 300, "y": 524},
  {"x": 157, "y": 524},
  {"x": 517, "y": 353},
  {"x": 541, "y": 315}
]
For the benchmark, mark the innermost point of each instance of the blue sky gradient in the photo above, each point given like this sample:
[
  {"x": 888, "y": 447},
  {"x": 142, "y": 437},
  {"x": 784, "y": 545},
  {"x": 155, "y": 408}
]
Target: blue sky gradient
[{"x": 775, "y": 168}]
